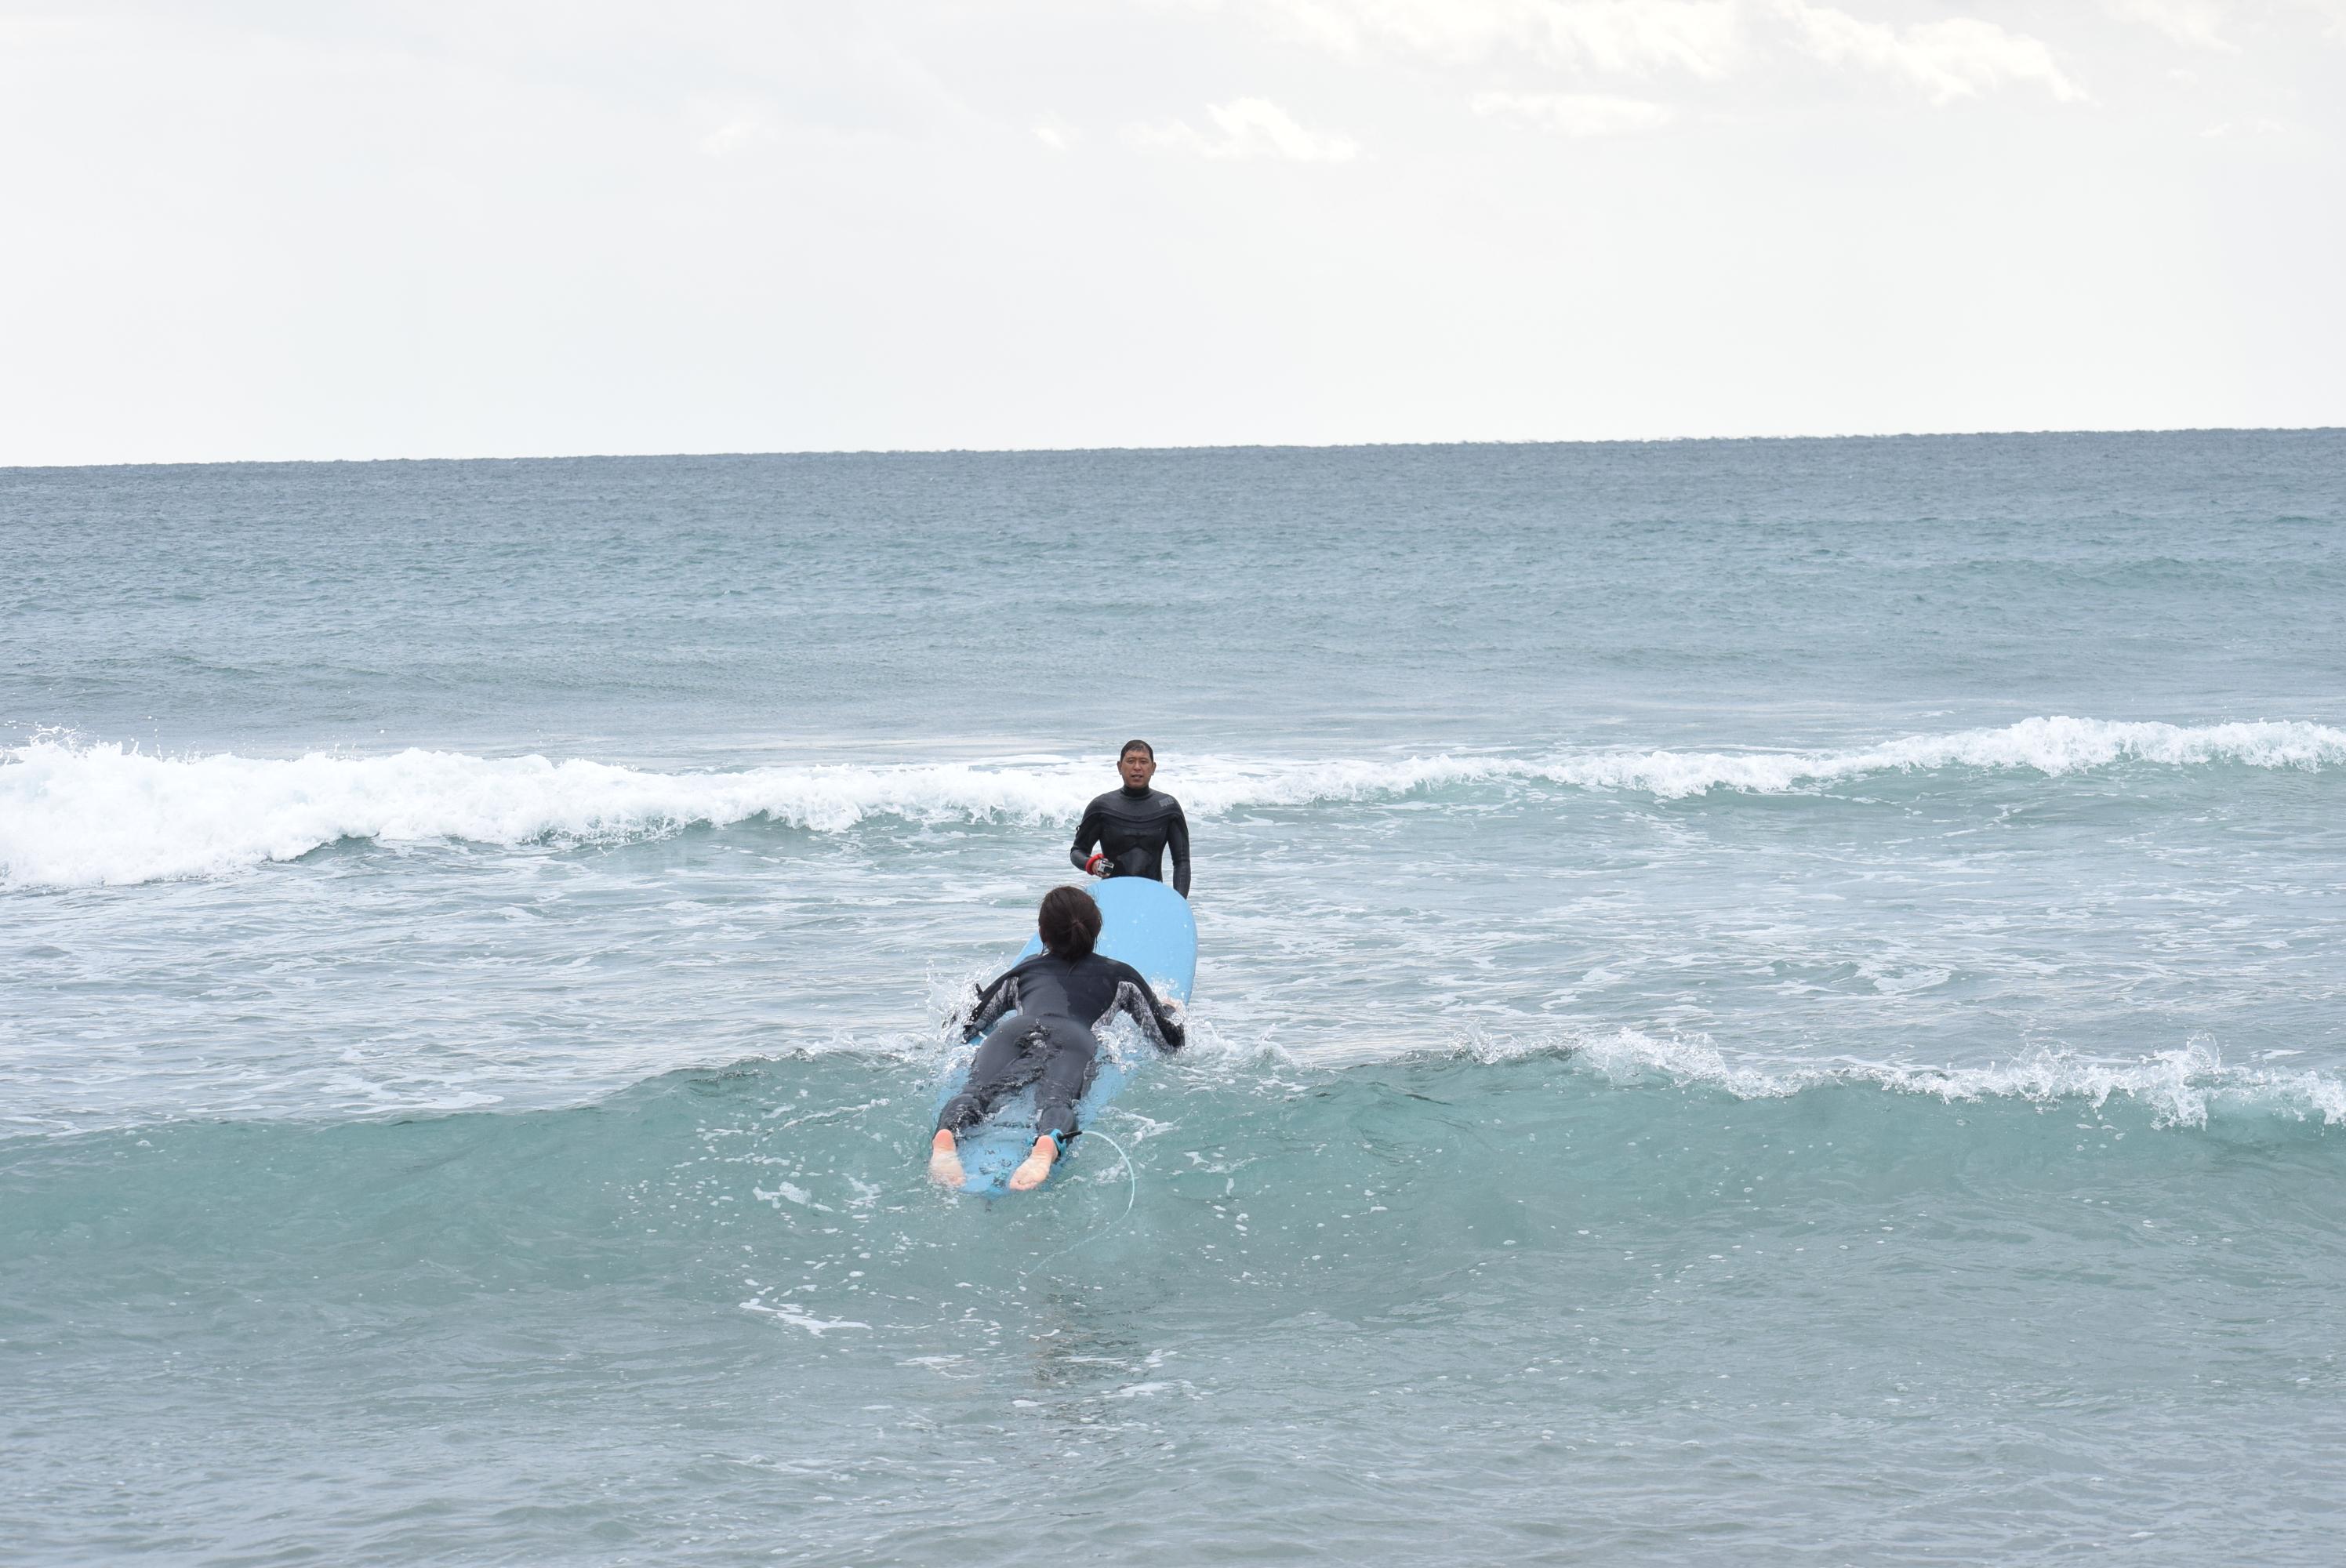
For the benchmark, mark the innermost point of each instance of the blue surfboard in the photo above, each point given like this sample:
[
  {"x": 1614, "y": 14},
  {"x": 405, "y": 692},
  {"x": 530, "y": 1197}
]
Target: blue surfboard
[{"x": 1148, "y": 926}]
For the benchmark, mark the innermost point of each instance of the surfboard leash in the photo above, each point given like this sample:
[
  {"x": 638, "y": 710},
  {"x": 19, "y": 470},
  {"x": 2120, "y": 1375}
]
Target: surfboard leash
[{"x": 1131, "y": 1198}]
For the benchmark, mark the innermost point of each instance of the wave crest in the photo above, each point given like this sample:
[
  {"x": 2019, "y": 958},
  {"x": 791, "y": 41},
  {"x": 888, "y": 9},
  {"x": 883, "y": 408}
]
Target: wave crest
[
  {"x": 77, "y": 815},
  {"x": 2180, "y": 1088}
]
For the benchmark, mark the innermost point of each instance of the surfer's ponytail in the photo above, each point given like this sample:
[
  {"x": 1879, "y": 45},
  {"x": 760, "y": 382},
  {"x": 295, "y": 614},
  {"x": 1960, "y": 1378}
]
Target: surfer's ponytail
[{"x": 1069, "y": 923}]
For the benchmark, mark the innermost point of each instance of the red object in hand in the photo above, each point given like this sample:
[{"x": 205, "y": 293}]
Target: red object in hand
[{"x": 1096, "y": 864}]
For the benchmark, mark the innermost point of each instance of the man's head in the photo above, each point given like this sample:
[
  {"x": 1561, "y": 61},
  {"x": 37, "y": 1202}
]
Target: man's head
[
  {"x": 1137, "y": 763},
  {"x": 1068, "y": 924}
]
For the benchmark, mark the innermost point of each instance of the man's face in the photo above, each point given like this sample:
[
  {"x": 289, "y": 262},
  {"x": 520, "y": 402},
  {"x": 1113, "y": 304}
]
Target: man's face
[{"x": 1138, "y": 768}]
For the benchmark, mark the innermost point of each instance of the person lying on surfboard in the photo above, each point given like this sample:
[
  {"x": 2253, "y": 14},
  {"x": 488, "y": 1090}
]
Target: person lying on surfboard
[
  {"x": 1055, "y": 1001},
  {"x": 1134, "y": 826}
]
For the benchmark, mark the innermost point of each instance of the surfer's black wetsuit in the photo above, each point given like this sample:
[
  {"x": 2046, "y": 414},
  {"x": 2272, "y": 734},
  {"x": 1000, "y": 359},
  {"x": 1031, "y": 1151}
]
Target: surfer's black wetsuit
[
  {"x": 1133, "y": 827},
  {"x": 1056, "y": 1003}
]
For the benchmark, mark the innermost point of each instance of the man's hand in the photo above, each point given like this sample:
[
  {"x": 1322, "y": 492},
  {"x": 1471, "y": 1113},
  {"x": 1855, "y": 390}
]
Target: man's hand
[{"x": 1099, "y": 865}]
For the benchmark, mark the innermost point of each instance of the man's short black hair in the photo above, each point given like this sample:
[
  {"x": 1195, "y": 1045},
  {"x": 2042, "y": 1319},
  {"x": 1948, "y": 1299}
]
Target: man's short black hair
[{"x": 1132, "y": 746}]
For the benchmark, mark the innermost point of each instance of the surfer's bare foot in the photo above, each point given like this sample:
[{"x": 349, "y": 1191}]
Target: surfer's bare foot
[
  {"x": 1037, "y": 1165},
  {"x": 944, "y": 1159}
]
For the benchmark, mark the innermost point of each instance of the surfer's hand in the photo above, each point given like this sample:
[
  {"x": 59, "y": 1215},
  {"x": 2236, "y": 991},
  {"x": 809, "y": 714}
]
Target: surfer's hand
[{"x": 1099, "y": 865}]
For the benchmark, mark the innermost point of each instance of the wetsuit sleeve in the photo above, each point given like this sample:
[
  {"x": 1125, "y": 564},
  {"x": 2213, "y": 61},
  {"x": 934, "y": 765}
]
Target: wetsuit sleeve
[
  {"x": 1177, "y": 839},
  {"x": 1088, "y": 836},
  {"x": 999, "y": 996},
  {"x": 1134, "y": 996}
]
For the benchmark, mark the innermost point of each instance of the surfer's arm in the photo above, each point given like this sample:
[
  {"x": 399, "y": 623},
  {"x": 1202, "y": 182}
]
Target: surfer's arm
[
  {"x": 998, "y": 998},
  {"x": 1087, "y": 833},
  {"x": 1157, "y": 1021},
  {"x": 1177, "y": 839}
]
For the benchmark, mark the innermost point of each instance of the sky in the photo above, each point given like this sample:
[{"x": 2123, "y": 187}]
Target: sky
[{"x": 269, "y": 230}]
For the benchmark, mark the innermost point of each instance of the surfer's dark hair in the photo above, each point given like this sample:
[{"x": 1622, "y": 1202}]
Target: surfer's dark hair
[
  {"x": 1132, "y": 746},
  {"x": 1069, "y": 923}
]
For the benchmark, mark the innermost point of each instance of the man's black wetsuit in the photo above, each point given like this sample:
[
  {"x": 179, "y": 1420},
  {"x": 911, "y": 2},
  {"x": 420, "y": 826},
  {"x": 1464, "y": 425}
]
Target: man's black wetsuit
[
  {"x": 1057, "y": 1003},
  {"x": 1135, "y": 828}
]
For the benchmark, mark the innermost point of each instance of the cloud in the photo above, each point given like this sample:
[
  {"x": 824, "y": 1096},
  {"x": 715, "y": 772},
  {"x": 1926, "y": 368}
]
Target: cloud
[
  {"x": 732, "y": 126},
  {"x": 1578, "y": 114},
  {"x": 2228, "y": 129},
  {"x": 1057, "y": 135},
  {"x": 1248, "y": 128},
  {"x": 2332, "y": 12},
  {"x": 2193, "y": 22},
  {"x": 1622, "y": 37},
  {"x": 1956, "y": 58}
]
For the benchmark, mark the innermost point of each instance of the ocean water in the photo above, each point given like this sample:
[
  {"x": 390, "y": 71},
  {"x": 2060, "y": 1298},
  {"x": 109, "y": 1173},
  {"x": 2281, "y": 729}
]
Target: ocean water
[{"x": 1759, "y": 1002}]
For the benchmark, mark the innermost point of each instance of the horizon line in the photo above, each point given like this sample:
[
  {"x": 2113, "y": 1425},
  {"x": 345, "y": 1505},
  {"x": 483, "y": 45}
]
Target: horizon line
[{"x": 1199, "y": 447}]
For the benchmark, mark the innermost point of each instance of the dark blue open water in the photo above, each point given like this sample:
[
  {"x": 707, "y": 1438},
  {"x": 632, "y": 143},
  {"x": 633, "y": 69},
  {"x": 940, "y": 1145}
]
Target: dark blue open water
[{"x": 1769, "y": 1002}]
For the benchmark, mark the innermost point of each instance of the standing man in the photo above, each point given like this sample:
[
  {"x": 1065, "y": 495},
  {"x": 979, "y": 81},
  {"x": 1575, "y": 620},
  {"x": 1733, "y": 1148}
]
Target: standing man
[{"x": 1133, "y": 827}]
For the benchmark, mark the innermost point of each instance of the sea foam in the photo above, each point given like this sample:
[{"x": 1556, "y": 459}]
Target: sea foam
[
  {"x": 2180, "y": 1088},
  {"x": 77, "y": 815}
]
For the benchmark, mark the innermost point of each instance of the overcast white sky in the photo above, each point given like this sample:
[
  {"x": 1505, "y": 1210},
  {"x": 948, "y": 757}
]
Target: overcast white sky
[{"x": 302, "y": 229}]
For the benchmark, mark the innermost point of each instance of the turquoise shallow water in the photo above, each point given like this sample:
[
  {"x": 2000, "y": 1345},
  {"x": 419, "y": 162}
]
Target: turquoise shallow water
[{"x": 1758, "y": 1002}]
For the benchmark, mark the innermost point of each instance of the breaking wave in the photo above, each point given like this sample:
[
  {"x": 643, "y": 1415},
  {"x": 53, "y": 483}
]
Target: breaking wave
[
  {"x": 80, "y": 815},
  {"x": 2180, "y": 1088}
]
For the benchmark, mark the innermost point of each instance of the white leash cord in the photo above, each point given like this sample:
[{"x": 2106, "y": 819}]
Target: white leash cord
[{"x": 1131, "y": 1198}]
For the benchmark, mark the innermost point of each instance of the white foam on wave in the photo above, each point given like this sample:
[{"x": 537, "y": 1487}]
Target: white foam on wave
[
  {"x": 80, "y": 815},
  {"x": 2180, "y": 1088},
  {"x": 2051, "y": 747}
]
